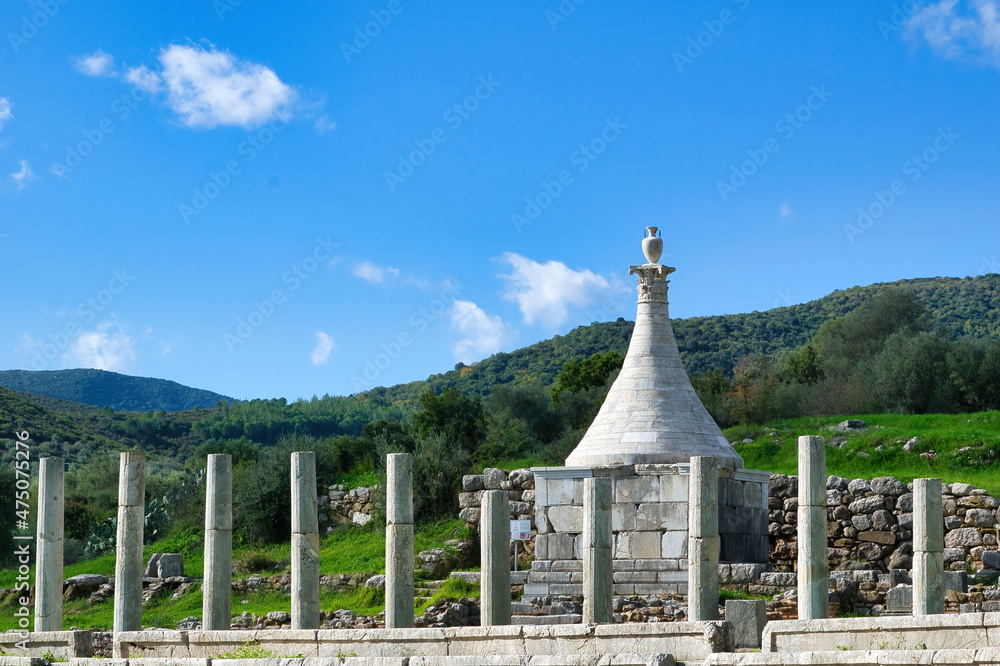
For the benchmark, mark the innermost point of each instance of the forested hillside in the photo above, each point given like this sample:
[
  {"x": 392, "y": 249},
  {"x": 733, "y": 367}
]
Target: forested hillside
[{"x": 109, "y": 389}]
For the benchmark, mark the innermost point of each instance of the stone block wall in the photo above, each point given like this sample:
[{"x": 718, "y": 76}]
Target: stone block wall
[
  {"x": 650, "y": 524},
  {"x": 520, "y": 487},
  {"x": 870, "y": 524}
]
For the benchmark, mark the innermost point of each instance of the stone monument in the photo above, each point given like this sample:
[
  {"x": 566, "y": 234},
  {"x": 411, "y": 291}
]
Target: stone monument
[{"x": 650, "y": 426}]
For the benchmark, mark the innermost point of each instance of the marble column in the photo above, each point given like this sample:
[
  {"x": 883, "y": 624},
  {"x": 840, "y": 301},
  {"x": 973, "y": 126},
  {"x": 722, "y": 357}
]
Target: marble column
[
  {"x": 703, "y": 539},
  {"x": 305, "y": 542},
  {"x": 49, "y": 557},
  {"x": 813, "y": 568},
  {"x": 216, "y": 588},
  {"x": 128, "y": 563},
  {"x": 494, "y": 526},
  {"x": 399, "y": 541},
  {"x": 928, "y": 547},
  {"x": 598, "y": 583}
]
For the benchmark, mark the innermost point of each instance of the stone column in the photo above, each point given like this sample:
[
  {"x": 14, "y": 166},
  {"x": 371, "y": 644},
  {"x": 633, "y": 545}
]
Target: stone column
[
  {"x": 494, "y": 543},
  {"x": 928, "y": 547},
  {"x": 305, "y": 542},
  {"x": 128, "y": 563},
  {"x": 598, "y": 583},
  {"x": 814, "y": 584},
  {"x": 49, "y": 559},
  {"x": 399, "y": 541},
  {"x": 703, "y": 539},
  {"x": 216, "y": 599}
]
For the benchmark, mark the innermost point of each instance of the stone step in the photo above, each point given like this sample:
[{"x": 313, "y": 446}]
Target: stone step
[{"x": 567, "y": 618}]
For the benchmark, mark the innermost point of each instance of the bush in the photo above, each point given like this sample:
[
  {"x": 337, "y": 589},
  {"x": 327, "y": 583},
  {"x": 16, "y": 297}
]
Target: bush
[{"x": 438, "y": 466}]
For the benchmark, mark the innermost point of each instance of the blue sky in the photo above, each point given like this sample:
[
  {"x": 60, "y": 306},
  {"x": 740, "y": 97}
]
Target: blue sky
[{"x": 285, "y": 199}]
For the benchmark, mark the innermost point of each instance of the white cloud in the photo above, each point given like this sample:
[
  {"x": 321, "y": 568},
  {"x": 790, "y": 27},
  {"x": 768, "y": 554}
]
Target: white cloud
[
  {"x": 97, "y": 63},
  {"x": 24, "y": 176},
  {"x": 544, "y": 292},
  {"x": 373, "y": 274},
  {"x": 5, "y": 113},
  {"x": 324, "y": 345},
  {"x": 141, "y": 77},
  {"x": 960, "y": 29},
  {"x": 208, "y": 87},
  {"x": 107, "y": 348},
  {"x": 484, "y": 335}
]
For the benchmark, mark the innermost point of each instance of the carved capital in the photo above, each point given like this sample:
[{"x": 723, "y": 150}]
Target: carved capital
[{"x": 652, "y": 280}]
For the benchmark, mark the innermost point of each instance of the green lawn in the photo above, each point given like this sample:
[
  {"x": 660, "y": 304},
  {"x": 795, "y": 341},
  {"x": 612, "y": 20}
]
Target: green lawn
[
  {"x": 345, "y": 550},
  {"x": 943, "y": 433}
]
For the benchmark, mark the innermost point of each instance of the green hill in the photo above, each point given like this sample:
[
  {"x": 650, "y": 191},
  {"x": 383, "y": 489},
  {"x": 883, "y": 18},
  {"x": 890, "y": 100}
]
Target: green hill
[{"x": 110, "y": 389}]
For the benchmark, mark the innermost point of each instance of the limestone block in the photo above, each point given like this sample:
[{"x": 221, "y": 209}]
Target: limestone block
[
  {"x": 566, "y": 518},
  {"x": 812, "y": 561},
  {"x": 623, "y": 517},
  {"x": 305, "y": 581},
  {"x": 637, "y": 489},
  {"x": 703, "y": 498},
  {"x": 753, "y": 495},
  {"x": 647, "y": 545},
  {"x": 541, "y": 547},
  {"x": 560, "y": 492},
  {"x": 748, "y": 619},
  {"x": 965, "y": 537},
  {"x": 128, "y": 569},
  {"x": 542, "y": 524},
  {"x": 623, "y": 545},
  {"x": 662, "y": 516},
  {"x": 703, "y": 578},
  {"x": 673, "y": 545},
  {"x": 560, "y": 546}
]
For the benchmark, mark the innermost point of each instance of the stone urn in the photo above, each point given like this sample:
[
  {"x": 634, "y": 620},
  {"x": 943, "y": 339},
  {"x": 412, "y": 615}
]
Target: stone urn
[{"x": 652, "y": 245}]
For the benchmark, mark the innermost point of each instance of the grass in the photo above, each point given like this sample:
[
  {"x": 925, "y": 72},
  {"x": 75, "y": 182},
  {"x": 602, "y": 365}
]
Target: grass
[
  {"x": 345, "y": 550},
  {"x": 731, "y": 595},
  {"x": 943, "y": 433},
  {"x": 454, "y": 588}
]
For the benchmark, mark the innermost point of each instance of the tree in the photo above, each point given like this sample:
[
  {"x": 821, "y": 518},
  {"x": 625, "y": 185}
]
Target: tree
[
  {"x": 457, "y": 418},
  {"x": 587, "y": 373},
  {"x": 910, "y": 372}
]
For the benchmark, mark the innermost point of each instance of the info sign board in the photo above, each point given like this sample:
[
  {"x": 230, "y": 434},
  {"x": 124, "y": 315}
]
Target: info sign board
[{"x": 520, "y": 530}]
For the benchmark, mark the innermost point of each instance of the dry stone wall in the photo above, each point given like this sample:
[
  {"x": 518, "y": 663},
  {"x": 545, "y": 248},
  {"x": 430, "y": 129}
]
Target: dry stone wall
[
  {"x": 520, "y": 487},
  {"x": 870, "y": 524}
]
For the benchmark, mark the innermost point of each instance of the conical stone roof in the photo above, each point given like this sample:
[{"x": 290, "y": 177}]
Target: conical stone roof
[{"x": 652, "y": 414}]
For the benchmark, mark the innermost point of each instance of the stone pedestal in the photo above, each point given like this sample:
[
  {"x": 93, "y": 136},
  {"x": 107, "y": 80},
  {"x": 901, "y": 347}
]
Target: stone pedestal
[
  {"x": 49, "y": 558},
  {"x": 399, "y": 541},
  {"x": 495, "y": 549},
  {"x": 216, "y": 594},
  {"x": 649, "y": 517},
  {"x": 598, "y": 541},
  {"x": 703, "y": 540},
  {"x": 128, "y": 562},
  {"x": 813, "y": 579},
  {"x": 305, "y": 542},
  {"x": 928, "y": 547}
]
